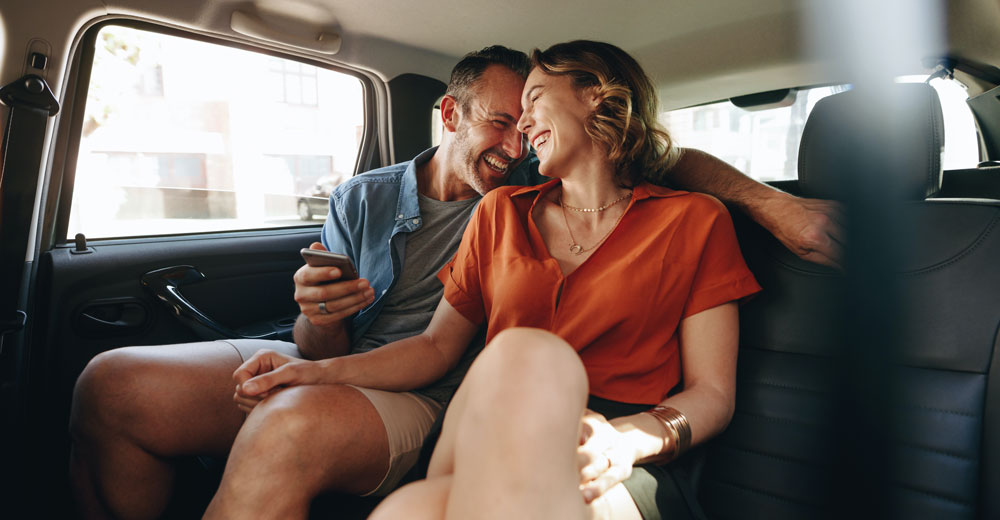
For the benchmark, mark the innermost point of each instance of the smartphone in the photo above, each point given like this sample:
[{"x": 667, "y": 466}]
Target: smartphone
[{"x": 317, "y": 258}]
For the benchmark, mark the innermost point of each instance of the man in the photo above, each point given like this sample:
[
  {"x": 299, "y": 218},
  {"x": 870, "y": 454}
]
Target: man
[{"x": 135, "y": 408}]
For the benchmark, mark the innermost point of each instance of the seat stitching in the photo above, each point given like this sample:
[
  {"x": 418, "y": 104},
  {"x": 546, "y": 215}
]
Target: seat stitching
[
  {"x": 781, "y": 420},
  {"x": 946, "y": 453},
  {"x": 781, "y": 458},
  {"x": 932, "y": 494},
  {"x": 764, "y": 382},
  {"x": 940, "y": 410},
  {"x": 975, "y": 245},
  {"x": 765, "y": 494}
]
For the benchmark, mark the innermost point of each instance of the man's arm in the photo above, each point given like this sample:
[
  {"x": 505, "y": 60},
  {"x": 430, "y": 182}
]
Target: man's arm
[
  {"x": 402, "y": 365},
  {"x": 319, "y": 334},
  {"x": 809, "y": 228}
]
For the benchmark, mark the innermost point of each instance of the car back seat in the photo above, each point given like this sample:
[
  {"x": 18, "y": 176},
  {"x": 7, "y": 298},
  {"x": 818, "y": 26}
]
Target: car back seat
[{"x": 782, "y": 456}]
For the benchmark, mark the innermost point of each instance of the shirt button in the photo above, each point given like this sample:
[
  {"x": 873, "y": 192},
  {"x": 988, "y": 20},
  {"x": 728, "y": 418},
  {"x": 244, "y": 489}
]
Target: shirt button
[
  {"x": 416, "y": 221},
  {"x": 399, "y": 216}
]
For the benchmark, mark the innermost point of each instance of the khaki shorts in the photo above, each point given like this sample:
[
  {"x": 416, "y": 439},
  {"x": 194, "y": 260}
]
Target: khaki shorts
[{"x": 407, "y": 416}]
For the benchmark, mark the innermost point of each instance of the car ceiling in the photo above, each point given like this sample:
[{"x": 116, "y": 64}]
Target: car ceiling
[{"x": 695, "y": 51}]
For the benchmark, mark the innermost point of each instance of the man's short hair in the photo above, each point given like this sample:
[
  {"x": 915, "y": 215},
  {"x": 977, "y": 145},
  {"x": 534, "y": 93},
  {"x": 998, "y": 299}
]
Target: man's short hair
[{"x": 468, "y": 71}]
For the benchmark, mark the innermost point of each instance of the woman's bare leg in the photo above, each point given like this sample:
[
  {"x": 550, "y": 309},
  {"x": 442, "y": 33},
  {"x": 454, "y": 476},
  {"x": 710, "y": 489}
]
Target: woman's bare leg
[
  {"x": 511, "y": 435},
  {"x": 421, "y": 500},
  {"x": 508, "y": 445}
]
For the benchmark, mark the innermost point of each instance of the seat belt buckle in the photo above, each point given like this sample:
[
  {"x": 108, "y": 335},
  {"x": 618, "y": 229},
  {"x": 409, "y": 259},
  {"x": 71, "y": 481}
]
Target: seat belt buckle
[{"x": 13, "y": 323}]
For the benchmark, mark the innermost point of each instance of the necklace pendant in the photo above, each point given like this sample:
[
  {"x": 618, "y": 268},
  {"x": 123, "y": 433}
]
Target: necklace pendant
[{"x": 576, "y": 249}]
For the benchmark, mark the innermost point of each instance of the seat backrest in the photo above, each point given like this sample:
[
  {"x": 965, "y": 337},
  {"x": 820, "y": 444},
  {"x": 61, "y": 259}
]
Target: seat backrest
[{"x": 935, "y": 437}]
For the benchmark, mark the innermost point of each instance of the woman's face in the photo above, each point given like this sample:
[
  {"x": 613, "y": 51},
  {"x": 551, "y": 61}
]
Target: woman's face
[{"x": 553, "y": 119}]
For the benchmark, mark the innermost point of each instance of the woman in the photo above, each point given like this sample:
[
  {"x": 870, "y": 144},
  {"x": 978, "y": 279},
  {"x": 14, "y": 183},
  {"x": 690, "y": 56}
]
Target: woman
[
  {"x": 599, "y": 291},
  {"x": 595, "y": 282}
]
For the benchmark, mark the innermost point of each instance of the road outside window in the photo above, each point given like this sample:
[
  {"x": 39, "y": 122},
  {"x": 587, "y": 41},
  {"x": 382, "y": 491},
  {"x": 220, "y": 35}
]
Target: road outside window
[{"x": 182, "y": 136}]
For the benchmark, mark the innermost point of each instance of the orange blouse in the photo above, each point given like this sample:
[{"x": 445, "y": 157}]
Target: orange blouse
[{"x": 674, "y": 254}]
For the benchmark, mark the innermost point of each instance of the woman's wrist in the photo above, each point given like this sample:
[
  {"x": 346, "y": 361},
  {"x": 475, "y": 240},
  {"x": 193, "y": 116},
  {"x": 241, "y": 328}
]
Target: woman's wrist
[
  {"x": 677, "y": 430},
  {"x": 643, "y": 435}
]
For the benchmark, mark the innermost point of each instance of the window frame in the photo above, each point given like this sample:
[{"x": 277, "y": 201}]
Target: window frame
[{"x": 64, "y": 152}]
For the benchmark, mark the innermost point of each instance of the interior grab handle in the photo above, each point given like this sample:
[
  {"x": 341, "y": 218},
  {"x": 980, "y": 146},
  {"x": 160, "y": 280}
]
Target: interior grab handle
[{"x": 166, "y": 283}]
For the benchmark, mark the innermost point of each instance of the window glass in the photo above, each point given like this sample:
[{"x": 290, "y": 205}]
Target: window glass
[
  {"x": 764, "y": 144},
  {"x": 961, "y": 143},
  {"x": 185, "y": 136}
]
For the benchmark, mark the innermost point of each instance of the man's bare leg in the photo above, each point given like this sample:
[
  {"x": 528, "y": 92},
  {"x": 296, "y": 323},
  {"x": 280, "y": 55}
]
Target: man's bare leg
[
  {"x": 298, "y": 443},
  {"x": 134, "y": 408}
]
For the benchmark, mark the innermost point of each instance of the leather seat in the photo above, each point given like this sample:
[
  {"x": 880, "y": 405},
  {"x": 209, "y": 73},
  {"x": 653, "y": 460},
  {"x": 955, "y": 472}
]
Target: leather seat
[{"x": 838, "y": 414}]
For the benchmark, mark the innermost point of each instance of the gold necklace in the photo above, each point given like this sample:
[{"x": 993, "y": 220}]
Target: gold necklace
[
  {"x": 592, "y": 210},
  {"x": 576, "y": 248}
]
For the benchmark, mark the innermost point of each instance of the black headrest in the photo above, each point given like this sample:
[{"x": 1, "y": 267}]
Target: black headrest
[{"x": 901, "y": 129}]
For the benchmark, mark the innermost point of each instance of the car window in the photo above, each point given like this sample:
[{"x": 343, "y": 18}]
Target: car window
[
  {"x": 186, "y": 136},
  {"x": 764, "y": 144}
]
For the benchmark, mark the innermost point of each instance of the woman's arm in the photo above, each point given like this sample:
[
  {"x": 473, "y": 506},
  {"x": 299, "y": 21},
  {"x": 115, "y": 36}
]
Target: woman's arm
[
  {"x": 708, "y": 342},
  {"x": 403, "y": 365}
]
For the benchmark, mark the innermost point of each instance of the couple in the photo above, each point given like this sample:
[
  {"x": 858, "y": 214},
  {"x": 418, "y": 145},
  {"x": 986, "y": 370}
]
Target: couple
[{"x": 656, "y": 301}]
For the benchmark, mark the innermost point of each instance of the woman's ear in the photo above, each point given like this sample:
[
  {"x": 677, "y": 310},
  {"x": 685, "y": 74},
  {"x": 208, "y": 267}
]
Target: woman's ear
[
  {"x": 449, "y": 113},
  {"x": 593, "y": 97}
]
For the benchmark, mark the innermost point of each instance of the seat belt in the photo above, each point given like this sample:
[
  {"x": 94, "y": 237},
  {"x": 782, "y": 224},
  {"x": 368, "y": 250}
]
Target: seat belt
[{"x": 31, "y": 104}]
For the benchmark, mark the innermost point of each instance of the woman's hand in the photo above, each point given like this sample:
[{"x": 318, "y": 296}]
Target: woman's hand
[
  {"x": 604, "y": 458},
  {"x": 266, "y": 372}
]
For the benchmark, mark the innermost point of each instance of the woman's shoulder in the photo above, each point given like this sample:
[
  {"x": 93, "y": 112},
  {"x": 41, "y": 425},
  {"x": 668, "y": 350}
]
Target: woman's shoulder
[{"x": 689, "y": 201}]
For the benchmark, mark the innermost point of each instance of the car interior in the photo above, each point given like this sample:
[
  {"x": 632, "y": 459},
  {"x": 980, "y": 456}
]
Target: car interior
[{"x": 163, "y": 162}]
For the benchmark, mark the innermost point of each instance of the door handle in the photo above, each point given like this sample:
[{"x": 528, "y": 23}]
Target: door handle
[
  {"x": 111, "y": 317},
  {"x": 166, "y": 284}
]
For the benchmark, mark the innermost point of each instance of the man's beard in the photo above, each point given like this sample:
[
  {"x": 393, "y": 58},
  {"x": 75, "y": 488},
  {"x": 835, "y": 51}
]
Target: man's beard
[{"x": 470, "y": 164}]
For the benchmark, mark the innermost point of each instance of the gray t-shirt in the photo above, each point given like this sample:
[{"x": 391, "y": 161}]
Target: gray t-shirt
[{"x": 410, "y": 303}]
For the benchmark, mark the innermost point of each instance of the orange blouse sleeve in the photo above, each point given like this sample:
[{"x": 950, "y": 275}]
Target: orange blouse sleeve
[
  {"x": 722, "y": 276},
  {"x": 461, "y": 276}
]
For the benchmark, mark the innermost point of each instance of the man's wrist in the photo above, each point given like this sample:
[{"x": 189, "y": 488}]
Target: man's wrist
[
  {"x": 765, "y": 205},
  {"x": 331, "y": 369}
]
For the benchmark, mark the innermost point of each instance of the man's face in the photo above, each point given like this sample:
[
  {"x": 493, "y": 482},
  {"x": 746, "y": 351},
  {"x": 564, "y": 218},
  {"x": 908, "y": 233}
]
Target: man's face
[{"x": 486, "y": 142}]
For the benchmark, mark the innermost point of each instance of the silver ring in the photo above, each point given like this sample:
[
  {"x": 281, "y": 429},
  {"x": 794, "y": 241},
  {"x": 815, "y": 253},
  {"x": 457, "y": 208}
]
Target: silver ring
[{"x": 322, "y": 308}]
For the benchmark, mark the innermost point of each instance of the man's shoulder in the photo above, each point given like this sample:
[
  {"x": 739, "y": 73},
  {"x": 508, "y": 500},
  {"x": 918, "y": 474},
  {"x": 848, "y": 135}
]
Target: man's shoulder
[{"x": 387, "y": 178}]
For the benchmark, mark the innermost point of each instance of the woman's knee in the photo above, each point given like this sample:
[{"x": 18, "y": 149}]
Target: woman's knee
[
  {"x": 528, "y": 353},
  {"x": 533, "y": 361}
]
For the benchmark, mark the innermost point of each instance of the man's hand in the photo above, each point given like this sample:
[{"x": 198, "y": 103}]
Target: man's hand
[
  {"x": 810, "y": 228},
  {"x": 267, "y": 372},
  {"x": 603, "y": 457},
  {"x": 340, "y": 299}
]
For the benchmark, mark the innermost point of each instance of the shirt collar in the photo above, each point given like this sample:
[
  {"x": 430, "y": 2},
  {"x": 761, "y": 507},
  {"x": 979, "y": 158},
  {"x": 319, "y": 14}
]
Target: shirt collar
[{"x": 408, "y": 207}]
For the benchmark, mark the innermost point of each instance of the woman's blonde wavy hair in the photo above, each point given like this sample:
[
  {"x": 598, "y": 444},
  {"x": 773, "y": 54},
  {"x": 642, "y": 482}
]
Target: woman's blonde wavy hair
[{"x": 625, "y": 120}]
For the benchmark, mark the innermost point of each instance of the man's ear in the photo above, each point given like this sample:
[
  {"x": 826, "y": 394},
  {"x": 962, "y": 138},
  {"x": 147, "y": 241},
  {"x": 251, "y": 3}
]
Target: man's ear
[{"x": 449, "y": 113}]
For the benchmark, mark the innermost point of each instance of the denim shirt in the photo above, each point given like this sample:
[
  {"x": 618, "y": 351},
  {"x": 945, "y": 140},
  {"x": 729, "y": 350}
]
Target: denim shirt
[{"x": 370, "y": 217}]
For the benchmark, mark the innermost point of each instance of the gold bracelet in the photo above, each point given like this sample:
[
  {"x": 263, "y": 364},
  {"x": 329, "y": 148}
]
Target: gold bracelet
[{"x": 678, "y": 429}]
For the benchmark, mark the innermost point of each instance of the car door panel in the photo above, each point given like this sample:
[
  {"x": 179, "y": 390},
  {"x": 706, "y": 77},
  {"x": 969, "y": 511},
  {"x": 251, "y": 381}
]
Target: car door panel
[{"x": 90, "y": 303}]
